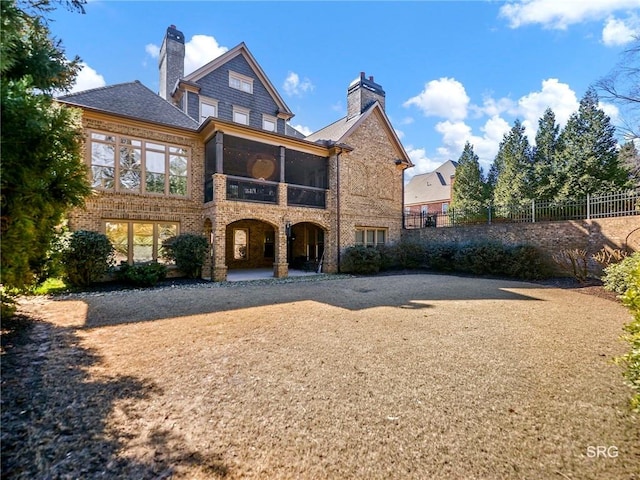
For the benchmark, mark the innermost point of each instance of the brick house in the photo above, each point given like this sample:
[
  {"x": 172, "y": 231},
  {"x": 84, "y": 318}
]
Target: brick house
[
  {"x": 430, "y": 193},
  {"x": 214, "y": 154}
]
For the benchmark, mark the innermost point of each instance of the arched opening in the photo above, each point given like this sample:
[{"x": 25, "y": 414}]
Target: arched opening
[
  {"x": 305, "y": 246},
  {"x": 250, "y": 244}
]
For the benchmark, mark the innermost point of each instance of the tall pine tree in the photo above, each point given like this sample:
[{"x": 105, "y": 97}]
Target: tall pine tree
[
  {"x": 589, "y": 157},
  {"x": 630, "y": 158},
  {"x": 469, "y": 188},
  {"x": 513, "y": 168},
  {"x": 43, "y": 174},
  {"x": 547, "y": 176}
]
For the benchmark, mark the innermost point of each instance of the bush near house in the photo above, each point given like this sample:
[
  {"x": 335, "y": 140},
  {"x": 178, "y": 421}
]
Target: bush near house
[
  {"x": 624, "y": 278},
  {"x": 482, "y": 258},
  {"x": 142, "y": 274},
  {"x": 188, "y": 251},
  {"x": 86, "y": 258},
  {"x": 361, "y": 259}
]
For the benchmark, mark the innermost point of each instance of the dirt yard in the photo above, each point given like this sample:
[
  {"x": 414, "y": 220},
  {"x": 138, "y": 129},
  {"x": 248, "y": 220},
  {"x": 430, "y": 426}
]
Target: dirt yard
[{"x": 395, "y": 377}]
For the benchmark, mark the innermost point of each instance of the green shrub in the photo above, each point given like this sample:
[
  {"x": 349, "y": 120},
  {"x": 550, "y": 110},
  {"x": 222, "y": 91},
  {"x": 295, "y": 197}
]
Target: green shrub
[
  {"x": 142, "y": 274},
  {"x": 388, "y": 257},
  {"x": 486, "y": 258},
  {"x": 189, "y": 251},
  {"x": 440, "y": 256},
  {"x": 360, "y": 259},
  {"x": 527, "y": 263},
  {"x": 629, "y": 275},
  {"x": 617, "y": 277},
  {"x": 87, "y": 258},
  {"x": 410, "y": 255},
  {"x": 7, "y": 303}
]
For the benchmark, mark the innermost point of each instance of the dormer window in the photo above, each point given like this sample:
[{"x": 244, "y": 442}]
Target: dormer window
[
  {"x": 208, "y": 108},
  {"x": 269, "y": 123},
  {"x": 240, "y": 82},
  {"x": 241, "y": 115}
]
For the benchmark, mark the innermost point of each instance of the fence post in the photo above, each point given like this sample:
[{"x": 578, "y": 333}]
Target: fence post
[
  {"x": 533, "y": 211},
  {"x": 588, "y": 206}
]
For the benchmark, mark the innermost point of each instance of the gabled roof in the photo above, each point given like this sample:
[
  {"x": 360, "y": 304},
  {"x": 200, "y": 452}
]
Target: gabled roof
[
  {"x": 432, "y": 186},
  {"x": 241, "y": 49},
  {"x": 340, "y": 130},
  {"x": 132, "y": 100}
]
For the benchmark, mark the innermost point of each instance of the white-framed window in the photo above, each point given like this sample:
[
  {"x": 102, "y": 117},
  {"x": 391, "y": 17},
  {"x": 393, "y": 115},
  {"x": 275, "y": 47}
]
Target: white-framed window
[
  {"x": 269, "y": 123},
  {"x": 124, "y": 164},
  {"x": 139, "y": 241},
  {"x": 240, "y": 244},
  {"x": 445, "y": 208},
  {"x": 241, "y": 115},
  {"x": 371, "y": 237},
  {"x": 240, "y": 82},
  {"x": 208, "y": 108}
]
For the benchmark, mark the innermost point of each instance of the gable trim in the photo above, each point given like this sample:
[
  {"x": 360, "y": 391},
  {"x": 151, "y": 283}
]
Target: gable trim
[{"x": 241, "y": 49}]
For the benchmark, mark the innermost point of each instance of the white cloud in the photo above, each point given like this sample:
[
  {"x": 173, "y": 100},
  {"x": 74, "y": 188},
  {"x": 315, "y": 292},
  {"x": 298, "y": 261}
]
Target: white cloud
[
  {"x": 294, "y": 87},
  {"x": 620, "y": 31},
  {"x": 306, "y": 131},
  {"x": 198, "y": 51},
  {"x": 611, "y": 110},
  {"x": 422, "y": 163},
  {"x": 491, "y": 106},
  {"x": 399, "y": 133},
  {"x": 152, "y": 50},
  {"x": 559, "y": 14},
  {"x": 444, "y": 98},
  {"x": 554, "y": 95},
  {"x": 456, "y": 134},
  {"x": 87, "y": 79}
]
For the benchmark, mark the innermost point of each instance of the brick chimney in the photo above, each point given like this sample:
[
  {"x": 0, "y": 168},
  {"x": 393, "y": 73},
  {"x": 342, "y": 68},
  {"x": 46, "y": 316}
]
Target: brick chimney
[
  {"x": 171, "y": 61},
  {"x": 363, "y": 92}
]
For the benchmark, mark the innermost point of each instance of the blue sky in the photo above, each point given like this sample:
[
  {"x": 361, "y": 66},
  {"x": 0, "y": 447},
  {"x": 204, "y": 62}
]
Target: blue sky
[{"x": 453, "y": 71}]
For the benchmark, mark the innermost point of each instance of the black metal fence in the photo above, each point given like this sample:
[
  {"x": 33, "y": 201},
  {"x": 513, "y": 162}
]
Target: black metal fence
[{"x": 620, "y": 204}]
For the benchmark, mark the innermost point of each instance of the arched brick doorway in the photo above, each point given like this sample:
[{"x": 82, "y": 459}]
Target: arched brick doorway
[
  {"x": 250, "y": 244},
  {"x": 305, "y": 246}
]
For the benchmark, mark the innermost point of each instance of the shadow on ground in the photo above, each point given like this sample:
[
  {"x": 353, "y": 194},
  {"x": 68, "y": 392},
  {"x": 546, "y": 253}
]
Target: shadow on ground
[
  {"x": 54, "y": 416},
  {"x": 400, "y": 291}
]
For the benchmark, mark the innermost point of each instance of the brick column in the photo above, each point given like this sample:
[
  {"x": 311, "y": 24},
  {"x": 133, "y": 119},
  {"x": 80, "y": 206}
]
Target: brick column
[
  {"x": 280, "y": 266},
  {"x": 219, "y": 252},
  {"x": 219, "y": 188}
]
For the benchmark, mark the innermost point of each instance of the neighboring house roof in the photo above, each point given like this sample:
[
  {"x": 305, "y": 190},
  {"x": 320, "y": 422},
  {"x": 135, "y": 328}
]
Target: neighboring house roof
[
  {"x": 132, "y": 100},
  {"x": 292, "y": 132},
  {"x": 431, "y": 187},
  {"x": 339, "y": 131},
  {"x": 241, "y": 49}
]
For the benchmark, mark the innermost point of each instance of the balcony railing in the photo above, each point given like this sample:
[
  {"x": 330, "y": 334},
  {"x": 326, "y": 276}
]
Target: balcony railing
[
  {"x": 252, "y": 190},
  {"x": 306, "y": 196}
]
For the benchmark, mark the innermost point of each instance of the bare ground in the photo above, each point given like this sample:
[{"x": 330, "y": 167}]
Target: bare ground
[{"x": 409, "y": 376}]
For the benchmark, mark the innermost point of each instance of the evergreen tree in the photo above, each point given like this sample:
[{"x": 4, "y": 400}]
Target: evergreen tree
[
  {"x": 513, "y": 168},
  {"x": 469, "y": 189},
  {"x": 589, "y": 156},
  {"x": 630, "y": 158},
  {"x": 43, "y": 174},
  {"x": 547, "y": 176}
]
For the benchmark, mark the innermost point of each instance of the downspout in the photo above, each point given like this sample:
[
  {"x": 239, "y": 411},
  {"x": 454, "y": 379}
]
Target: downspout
[{"x": 338, "y": 152}]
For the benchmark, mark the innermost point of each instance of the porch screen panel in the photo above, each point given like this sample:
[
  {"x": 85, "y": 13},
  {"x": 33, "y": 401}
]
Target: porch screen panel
[
  {"x": 246, "y": 158},
  {"x": 305, "y": 169}
]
